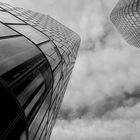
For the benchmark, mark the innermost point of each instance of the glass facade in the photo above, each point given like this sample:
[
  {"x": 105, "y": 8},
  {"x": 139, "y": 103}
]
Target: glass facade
[
  {"x": 126, "y": 17},
  {"x": 37, "y": 57}
]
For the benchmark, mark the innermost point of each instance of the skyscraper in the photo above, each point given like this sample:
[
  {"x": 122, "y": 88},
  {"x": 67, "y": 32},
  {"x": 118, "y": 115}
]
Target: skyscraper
[
  {"x": 126, "y": 17},
  {"x": 37, "y": 55}
]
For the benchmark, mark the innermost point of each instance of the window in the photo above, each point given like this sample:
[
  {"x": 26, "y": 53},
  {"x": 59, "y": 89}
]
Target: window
[
  {"x": 9, "y": 109},
  {"x": 5, "y": 31},
  {"x": 57, "y": 74},
  {"x": 51, "y": 53},
  {"x": 31, "y": 84},
  {"x": 8, "y": 18},
  {"x": 33, "y": 34},
  {"x": 29, "y": 77},
  {"x": 55, "y": 92},
  {"x": 15, "y": 51},
  {"x": 19, "y": 130},
  {"x": 43, "y": 125},
  {"x": 41, "y": 89},
  {"x": 41, "y": 118},
  {"x": 31, "y": 89}
]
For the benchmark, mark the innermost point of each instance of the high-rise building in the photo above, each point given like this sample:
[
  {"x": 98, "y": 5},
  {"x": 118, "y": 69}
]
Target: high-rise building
[
  {"x": 126, "y": 17},
  {"x": 37, "y": 55}
]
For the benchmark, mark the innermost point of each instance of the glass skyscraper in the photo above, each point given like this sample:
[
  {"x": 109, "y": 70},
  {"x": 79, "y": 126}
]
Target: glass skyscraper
[
  {"x": 126, "y": 17},
  {"x": 37, "y": 55}
]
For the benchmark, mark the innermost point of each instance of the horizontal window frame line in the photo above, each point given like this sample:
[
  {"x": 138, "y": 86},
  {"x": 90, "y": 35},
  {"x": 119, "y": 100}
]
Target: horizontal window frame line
[
  {"x": 10, "y": 36},
  {"x": 43, "y": 42},
  {"x": 15, "y": 23}
]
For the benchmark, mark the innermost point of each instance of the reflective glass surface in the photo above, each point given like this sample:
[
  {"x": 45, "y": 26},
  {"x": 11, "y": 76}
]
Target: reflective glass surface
[
  {"x": 18, "y": 131},
  {"x": 33, "y": 34},
  {"x": 15, "y": 51},
  {"x": 40, "y": 121},
  {"x": 5, "y": 31},
  {"x": 57, "y": 74},
  {"x": 50, "y": 52},
  {"x": 9, "y": 113},
  {"x": 5, "y": 17}
]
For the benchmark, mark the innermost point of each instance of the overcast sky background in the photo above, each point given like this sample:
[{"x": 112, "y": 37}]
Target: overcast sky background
[{"x": 102, "y": 99}]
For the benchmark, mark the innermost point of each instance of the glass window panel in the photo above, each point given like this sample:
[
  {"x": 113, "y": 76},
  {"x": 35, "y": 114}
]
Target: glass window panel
[
  {"x": 57, "y": 74},
  {"x": 47, "y": 74},
  {"x": 36, "y": 107},
  {"x": 23, "y": 136},
  {"x": 51, "y": 117},
  {"x": 15, "y": 51},
  {"x": 47, "y": 49},
  {"x": 48, "y": 45},
  {"x": 55, "y": 92},
  {"x": 35, "y": 99},
  {"x": 39, "y": 28},
  {"x": 51, "y": 113},
  {"x": 9, "y": 109},
  {"x": 53, "y": 62},
  {"x": 8, "y": 18},
  {"x": 43, "y": 126},
  {"x": 61, "y": 51},
  {"x": 66, "y": 50},
  {"x": 5, "y": 31},
  {"x": 48, "y": 33},
  {"x": 57, "y": 44},
  {"x": 42, "y": 113},
  {"x": 66, "y": 58},
  {"x": 56, "y": 38},
  {"x": 30, "y": 89},
  {"x": 43, "y": 135},
  {"x": 17, "y": 130},
  {"x": 48, "y": 134},
  {"x": 55, "y": 56},
  {"x": 33, "y": 34},
  {"x": 50, "y": 51},
  {"x": 33, "y": 89},
  {"x": 19, "y": 71},
  {"x": 61, "y": 85}
]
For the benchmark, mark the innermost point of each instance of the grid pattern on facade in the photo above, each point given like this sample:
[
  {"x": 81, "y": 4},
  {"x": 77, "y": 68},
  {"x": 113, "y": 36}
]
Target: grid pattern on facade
[
  {"x": 126, "y": 17},
  {"x": 35, "y": 67}
]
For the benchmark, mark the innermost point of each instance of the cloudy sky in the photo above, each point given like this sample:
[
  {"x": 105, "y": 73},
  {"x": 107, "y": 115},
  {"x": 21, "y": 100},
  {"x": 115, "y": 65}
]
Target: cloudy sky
[{"x": 102, "y": 99}]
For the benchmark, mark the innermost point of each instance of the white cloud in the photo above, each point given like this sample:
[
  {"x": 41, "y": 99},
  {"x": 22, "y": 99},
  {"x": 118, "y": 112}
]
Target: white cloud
[
  {"x": 97, "y": 130},
  {"x": 103, "y": 72},
  {"x": 122, "y": 124}
]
